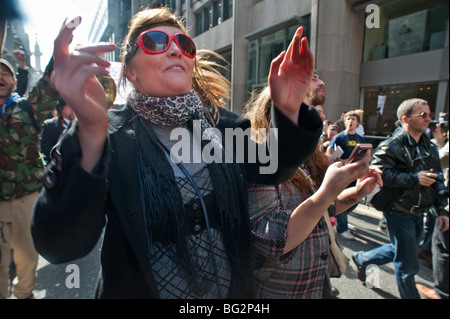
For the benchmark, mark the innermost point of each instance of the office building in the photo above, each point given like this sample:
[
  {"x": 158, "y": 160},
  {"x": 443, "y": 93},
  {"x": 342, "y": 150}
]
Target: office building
[{"x": 371, "y": 54}]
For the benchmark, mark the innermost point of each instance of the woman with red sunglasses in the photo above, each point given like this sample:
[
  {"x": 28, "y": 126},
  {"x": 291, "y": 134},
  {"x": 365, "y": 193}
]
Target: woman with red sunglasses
[{"x": 173, "y": 230}]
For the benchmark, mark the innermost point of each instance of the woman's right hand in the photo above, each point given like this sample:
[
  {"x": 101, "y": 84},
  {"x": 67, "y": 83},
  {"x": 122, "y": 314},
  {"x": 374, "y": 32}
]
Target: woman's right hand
[
  {"x": 338, "y": 175},
  {"x": 74, "y": 78}
]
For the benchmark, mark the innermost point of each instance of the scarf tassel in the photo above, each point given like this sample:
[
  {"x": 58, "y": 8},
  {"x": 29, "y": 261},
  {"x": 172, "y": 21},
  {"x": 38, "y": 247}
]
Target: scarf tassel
[{"x": 165, "y": 221}]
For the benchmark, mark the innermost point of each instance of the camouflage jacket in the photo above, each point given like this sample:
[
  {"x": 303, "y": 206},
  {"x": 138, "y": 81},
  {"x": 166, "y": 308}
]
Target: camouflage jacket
[{"x": 20, "y": 161}]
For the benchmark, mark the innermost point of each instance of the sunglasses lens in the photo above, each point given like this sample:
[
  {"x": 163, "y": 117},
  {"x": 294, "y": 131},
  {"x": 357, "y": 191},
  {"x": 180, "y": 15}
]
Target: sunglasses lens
[
  {"x": 186, "y": 44},
  {"x": 425, "y": 115},
  {"x": 155, "y": 41}
]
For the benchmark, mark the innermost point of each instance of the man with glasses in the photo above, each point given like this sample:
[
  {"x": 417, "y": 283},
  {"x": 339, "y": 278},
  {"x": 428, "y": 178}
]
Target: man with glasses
[{"x": 410, "y": 165}]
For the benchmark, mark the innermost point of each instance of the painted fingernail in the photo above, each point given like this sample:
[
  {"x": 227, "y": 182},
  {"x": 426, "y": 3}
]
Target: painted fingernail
[{"x": 74, "y": 23}]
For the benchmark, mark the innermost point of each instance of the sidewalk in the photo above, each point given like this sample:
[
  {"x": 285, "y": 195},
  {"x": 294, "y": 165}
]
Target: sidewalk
[{"x": 363, "y": 223}]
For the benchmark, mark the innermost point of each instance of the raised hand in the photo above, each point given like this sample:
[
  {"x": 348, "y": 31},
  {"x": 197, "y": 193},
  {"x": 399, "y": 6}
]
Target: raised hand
[
  {"x": 20, "y": 57},
  {"x": 74, "y": 78},
  {"x": 290, "y": 76}
]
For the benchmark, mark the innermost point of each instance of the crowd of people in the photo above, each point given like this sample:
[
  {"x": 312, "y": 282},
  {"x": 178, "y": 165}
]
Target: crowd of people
[{"x": 191, "y": 227}]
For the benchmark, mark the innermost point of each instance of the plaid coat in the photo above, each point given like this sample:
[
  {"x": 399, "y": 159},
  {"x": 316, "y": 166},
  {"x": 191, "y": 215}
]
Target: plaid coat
[{"x": 299, "y": 274}]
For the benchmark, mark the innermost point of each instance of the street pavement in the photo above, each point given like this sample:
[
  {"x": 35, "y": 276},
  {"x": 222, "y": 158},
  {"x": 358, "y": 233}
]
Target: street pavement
[
  {"x": 381, "y": 282},
  {"x": 77, "y": 279},
  {"x": 73, "y": 280}
]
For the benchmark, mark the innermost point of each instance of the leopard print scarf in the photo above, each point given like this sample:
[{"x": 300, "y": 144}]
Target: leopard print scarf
[{"x": 174, "y": 111}]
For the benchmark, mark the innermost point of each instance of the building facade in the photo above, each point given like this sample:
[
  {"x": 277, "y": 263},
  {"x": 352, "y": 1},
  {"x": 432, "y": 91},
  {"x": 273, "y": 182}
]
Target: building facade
[
  {"x": 110, "y": 24},
  {"x": 371, "y": 54}
]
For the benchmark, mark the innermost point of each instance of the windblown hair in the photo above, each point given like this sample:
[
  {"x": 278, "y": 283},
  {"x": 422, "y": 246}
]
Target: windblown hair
[
  {"x": 258, "y": 110},
  {"x": 212, "y": 87}
]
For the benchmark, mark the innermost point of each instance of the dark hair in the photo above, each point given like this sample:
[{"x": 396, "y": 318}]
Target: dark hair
[
  {"x": 353, "y": 114},
  {"x": 61, "y": 103}
]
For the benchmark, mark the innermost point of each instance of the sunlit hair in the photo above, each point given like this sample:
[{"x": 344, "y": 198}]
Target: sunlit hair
[
  {"x": 211, "y": 86},
  {"x": 258, "y": 110}
]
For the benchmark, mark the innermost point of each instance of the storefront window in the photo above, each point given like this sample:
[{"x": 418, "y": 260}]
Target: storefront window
[
  {"x": 407, "y": 27},
  {"x": 381, "y": 103}
]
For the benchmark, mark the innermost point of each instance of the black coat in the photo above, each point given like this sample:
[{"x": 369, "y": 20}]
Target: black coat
[
  {"x": 401, "y": 159},
  {"x": 69, "y": 217},
  {"x": 50, "y": 133}
]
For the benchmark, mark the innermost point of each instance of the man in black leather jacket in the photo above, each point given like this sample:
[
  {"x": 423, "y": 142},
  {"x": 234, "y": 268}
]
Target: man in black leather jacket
[{"x": 410, "y": 165}]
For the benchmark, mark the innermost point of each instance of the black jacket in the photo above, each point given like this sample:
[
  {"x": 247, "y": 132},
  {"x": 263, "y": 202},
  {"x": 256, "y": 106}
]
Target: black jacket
[
  {"x": 69, "y": 217},
  {"x": 401, "y": 158},
  {"x": 50, "y": 134}
]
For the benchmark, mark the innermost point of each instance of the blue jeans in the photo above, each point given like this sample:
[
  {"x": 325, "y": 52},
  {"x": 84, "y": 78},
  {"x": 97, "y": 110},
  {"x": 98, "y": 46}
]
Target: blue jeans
[
  {"x": 440, "y": 262},
  {"x": 405, "y": 231},
  {"x": 342, "y": 220}
]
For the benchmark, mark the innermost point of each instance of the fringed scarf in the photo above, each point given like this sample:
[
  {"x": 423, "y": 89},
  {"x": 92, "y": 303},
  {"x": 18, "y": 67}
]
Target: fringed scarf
[{"x": 161, "y": 201}]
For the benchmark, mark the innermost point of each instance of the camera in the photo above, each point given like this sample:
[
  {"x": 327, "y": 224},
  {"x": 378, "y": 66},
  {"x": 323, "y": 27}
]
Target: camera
[
  {"x": 433, "y": 124},
  {"x": 440, "y": 187},
  {"x": 443, "y": 122}
]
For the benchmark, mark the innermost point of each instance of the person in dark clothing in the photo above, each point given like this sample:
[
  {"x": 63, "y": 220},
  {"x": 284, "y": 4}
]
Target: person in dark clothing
[
  {"x": 177, "y": 224},
  {"x": 53, "y": 129},
  {"x": 411, "y": 166}
]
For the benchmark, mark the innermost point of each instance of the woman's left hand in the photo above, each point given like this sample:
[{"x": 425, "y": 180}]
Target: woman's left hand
[{"x": 290, "y": 76}]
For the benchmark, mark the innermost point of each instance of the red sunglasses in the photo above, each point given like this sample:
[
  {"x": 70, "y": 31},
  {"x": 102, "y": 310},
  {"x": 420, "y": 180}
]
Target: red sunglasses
[{"x": 157, "y": 42}]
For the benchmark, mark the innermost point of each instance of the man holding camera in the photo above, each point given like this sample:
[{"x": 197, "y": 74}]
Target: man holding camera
[{"x": 413, "y": 183}]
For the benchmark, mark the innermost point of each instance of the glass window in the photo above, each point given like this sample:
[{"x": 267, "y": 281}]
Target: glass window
[
  {"x": 381, "y": 103},
  {"x": 263, "y": 50},
  {"x": 227, "y": 9},
  {"x": 269, "y": 47},
  {"x": 199, "y": 23},
  {"x": 206, "y": 19},
  {"x": 252, "y": 65},
  {"x": 407, "y": 27},
  {"x": 215, "y": 13}
]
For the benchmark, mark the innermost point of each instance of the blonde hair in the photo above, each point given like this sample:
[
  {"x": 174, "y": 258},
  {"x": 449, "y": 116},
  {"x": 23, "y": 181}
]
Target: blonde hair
[
  {"x": 258, "y": 109},
  {"x": 211, "y": 86}
]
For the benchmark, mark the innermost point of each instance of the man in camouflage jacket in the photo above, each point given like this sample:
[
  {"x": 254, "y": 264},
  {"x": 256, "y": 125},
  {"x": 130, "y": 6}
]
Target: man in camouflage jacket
[{"x": 20, "y": 167}]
